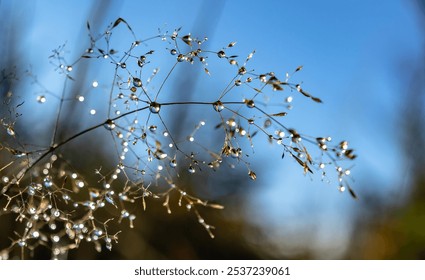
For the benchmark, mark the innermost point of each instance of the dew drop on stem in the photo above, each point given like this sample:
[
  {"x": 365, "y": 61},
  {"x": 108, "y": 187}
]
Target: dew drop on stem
[
  {"x": 22, "y": 243},
  {"x": 154, "y": 107},
  {"x": 235, "y": 153},
  {"x": 218, "y": 106},
  {"x": 173, "y": 163},
  {"x": 137, "y": 82},
  {"x": 109, "y": 124},
  {"x": 249, "y": 103},
  {"x": 252, "y": 175},
  {"x": 10, "y": 131},
  {"x": 180, "y": 58},
  {"x": 47, "y": 182},
  {"x": 191, "y": 170},
  {"x": 242, "y": 71}
]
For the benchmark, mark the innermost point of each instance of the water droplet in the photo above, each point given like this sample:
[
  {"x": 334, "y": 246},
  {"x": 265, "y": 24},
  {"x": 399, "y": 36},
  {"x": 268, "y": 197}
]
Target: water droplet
[
  {"x": 263, "y": 78},
  {"x": 69, "y": 68},
  {"x": 109, "y": 124},
  {"x": 180, "y": 58},
  {"x": 173, "y": 163},
  {"x": 242, "y": 70},
  {"x": 341, "y": 188},
  {"x": 41, "y": 99},
  {"x": 10, "y": 131},
  {"x": 154, "y": 107},
  {"x": 121, "y": 95},
  {"x": 252, "y": 175},
  {"x": 280, "y": 133},
  {"x": 80, "y": 98},
  {"x": 343, "y": 145},
  {"x": 55, "y": 238},
  {"x": 32, "y": 210},
  {"x": 173, "y": 52},
  {"x": 47, "y": 182},
  {"x": 22, "y": 243},
  {"x": 289, "y": 99},
  {"x": 249, "y": 103},
  {"x": 92, "y": 112},
  {"x": 108, "y": 246},
  {"x": 323, "y": 147},
  {"x": 140, "y": 63},
  {"x": 95, "y": 84},
  {"x": 218, "y": 106},
  {"x": 231, "y": 122},
  {"x": 98, "y": 232},
  {"x": 133, "y": 97},
  {"x": 56, "y": 213},
  {"x": 187, "y": 39},
  {"x": 161, "y": 155},
  {"x": 137, "y": 82},
  {"x": 191, "y": 138},
  {"x": 79, "y": 184},
  {"x": 230, "y": 45},
  {"x": 238, "y": 83},
  {"x": 191, "y": 169},
  {"x": 125, "y": 214},
  {"x": 221, "y": 54},
  {"x": 123, "y": 65},
  {"x": 153, "y": 128},
  {"x": 236, "y": 153}
]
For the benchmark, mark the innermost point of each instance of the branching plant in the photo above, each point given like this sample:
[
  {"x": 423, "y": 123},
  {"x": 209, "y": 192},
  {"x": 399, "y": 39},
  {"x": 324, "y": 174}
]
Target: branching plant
[{"x": 57, "y": 202}]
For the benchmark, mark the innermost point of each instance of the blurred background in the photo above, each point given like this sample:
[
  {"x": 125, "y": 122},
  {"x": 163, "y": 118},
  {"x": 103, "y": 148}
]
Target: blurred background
[{"x": 364, "y": 59}]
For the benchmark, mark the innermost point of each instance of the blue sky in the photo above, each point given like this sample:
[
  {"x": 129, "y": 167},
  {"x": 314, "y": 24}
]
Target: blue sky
[{"x": 352, "y": 52}]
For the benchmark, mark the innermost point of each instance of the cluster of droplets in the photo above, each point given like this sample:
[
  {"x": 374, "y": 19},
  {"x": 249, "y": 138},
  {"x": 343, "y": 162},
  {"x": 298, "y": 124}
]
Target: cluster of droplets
[{"x": 47, "y": 191}]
